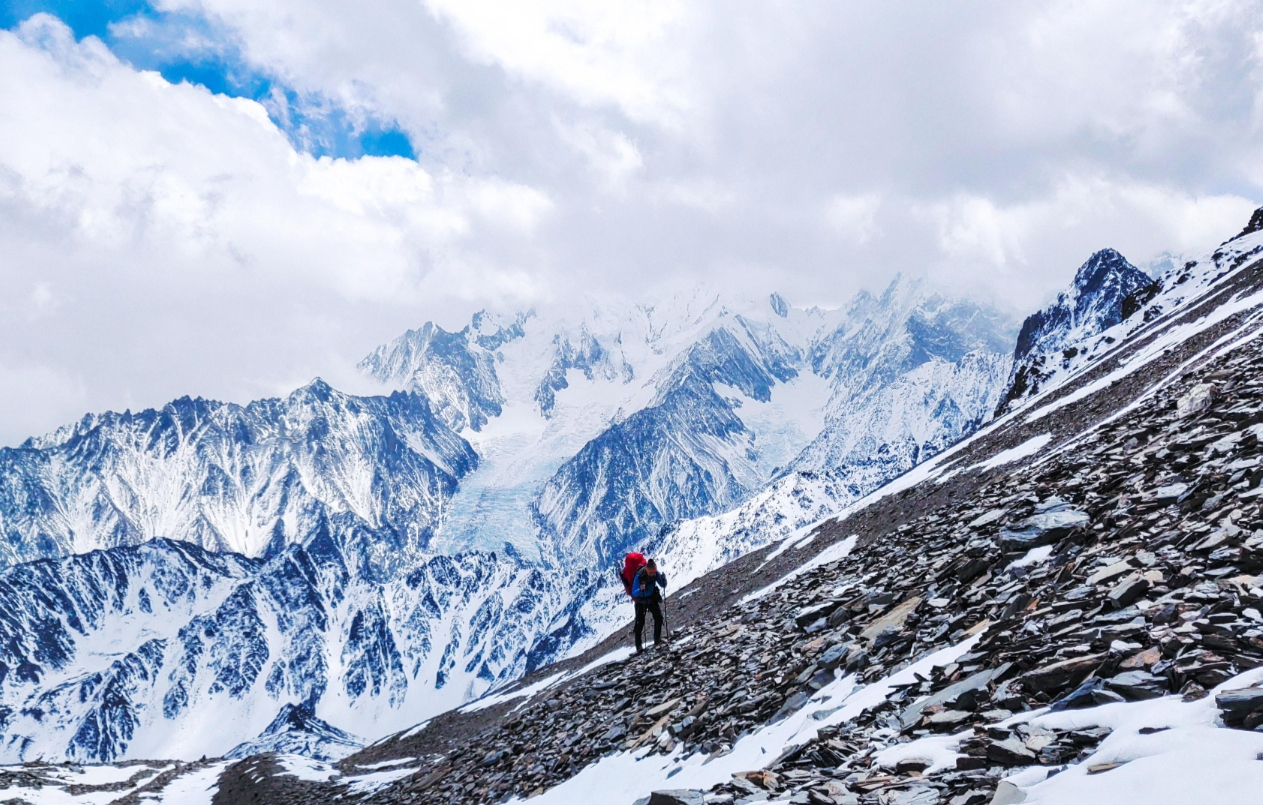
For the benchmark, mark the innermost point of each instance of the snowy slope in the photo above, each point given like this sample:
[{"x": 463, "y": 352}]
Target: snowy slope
[{"x": 909, "y": 373}]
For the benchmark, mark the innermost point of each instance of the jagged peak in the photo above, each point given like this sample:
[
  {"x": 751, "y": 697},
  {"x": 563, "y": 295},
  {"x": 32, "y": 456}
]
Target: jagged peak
[
  {"x": 1255, "y": 225},
  {"x": 779, "y": 306},
  {"x": 1098, "y": 269},
  {"x": 316, "y": 389}
]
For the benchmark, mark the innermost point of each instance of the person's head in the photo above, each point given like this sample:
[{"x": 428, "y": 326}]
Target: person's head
[{"x": 651, "y": 568}]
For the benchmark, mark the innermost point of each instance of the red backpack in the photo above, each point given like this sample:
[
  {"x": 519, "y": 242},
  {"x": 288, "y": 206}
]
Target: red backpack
[{"x": 632, "y": 563}]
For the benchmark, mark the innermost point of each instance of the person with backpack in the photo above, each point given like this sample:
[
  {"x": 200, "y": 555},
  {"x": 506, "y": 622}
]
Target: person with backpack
[{"x": 644, "y": 590}]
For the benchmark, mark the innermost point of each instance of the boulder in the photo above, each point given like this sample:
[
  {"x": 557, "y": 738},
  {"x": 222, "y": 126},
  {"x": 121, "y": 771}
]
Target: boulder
[
  {"x": 1235, "y": 705},
  {"x": 1137, "y": 685},
  {"x": 1010, "y": 752},
  {"x": 894, "y": 619},
  {"x": 1197, "y": 399}
]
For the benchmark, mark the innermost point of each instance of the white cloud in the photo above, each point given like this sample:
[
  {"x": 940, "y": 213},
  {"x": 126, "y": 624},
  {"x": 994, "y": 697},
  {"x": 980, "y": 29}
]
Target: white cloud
[
  {"x": 619, "y": 53},
  {"x": 1008, "y": 248},
  {"x": 186, "y": 247},
  {"x": 192, "y": 242},
  {"x": 854, "y": 217},
  {"x": 611, "y": 154}
]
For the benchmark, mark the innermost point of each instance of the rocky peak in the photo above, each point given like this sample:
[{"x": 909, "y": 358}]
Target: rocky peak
[
  {"x": 1255, "y": 225},
  {"x": 455, "y": 371},
  {"x": 1104, "y": 292},
  {"x": 779, "y": 306},
  {"x": 1094, "y": 302},
  {"x": 297, "y": 730}
]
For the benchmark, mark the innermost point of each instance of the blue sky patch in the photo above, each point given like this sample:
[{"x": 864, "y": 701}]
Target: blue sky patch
[{"x": 150, "y": 39}]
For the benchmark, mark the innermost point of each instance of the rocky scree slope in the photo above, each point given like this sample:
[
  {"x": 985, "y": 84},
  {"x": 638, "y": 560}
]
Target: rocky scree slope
[{"x": 1100, "y": 547}]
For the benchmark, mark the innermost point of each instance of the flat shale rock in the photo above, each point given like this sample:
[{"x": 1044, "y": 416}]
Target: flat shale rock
[{"x": 677, "y": 797}]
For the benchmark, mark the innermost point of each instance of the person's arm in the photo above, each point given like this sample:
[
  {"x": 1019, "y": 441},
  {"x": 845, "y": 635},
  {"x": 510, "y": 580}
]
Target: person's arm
[{"x": 662, "y": 579}]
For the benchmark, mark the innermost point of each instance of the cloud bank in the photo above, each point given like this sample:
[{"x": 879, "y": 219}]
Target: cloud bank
[{"x": 163, "y": 237}]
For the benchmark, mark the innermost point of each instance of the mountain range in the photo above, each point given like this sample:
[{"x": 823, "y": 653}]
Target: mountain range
[{"x": 297, "y": 572}]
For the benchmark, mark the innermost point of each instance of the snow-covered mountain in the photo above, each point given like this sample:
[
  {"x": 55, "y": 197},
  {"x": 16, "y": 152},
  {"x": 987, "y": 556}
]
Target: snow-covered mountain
[
  {"x": 168, "y": 646},
  {"x": 1061, "y": 607},
  {"x": 166, "y": 649},
  {"x": 910, "y": 373},
  {"x": 595, "y": 428},
  {"x": 248, "y": 479},
  {"x": 619, "y": 424},
  {"x": 297, "y": 572},
  {"x": 1106, "y": 290}
]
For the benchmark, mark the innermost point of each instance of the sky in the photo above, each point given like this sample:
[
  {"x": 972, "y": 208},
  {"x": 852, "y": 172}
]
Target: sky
[{"x": 227, "y": 198}]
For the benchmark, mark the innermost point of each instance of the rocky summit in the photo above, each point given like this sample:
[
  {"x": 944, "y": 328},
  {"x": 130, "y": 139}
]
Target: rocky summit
[{"x": 1065, "y": 606}]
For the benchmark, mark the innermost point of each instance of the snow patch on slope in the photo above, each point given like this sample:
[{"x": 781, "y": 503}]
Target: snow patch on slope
[{"x": 635, "y": 774}]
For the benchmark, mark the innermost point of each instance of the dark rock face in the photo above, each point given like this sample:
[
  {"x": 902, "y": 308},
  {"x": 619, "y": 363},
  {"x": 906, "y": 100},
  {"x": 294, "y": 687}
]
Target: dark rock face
[
  {"x": 1255, "y": 225},
  {"x": 779, "y": 306},
  {"x": 1096, "y": 298},
  {"x": 1106, "y": 289},
  {"x": 296, "y": 730}
]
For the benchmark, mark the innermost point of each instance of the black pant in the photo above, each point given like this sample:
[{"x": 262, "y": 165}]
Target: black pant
[{"x": 648, "y": 605}]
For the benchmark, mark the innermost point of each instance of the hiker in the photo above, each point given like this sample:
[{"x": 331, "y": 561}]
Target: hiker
[{"x": 644, "y": 591}]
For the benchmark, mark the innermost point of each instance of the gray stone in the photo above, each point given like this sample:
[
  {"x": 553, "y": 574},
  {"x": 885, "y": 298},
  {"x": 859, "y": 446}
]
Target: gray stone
[
  {"x": 1010, "y": 752},
  {"x": 1008, "y": 794},
  {"x": 951, "y": 693},
  {"x": 834, "y": 655},
  {"x": 676, "y": 797},
  {"x": 1128, "y": 592},
  {"x": 1236, "y": 705},
  {"x": 1137, "y": 685}
]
